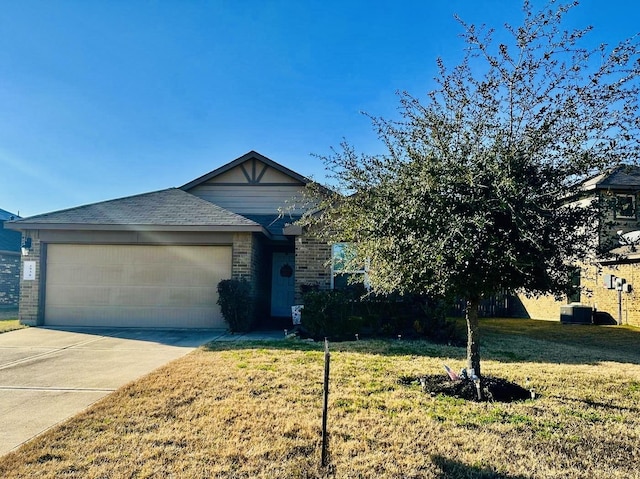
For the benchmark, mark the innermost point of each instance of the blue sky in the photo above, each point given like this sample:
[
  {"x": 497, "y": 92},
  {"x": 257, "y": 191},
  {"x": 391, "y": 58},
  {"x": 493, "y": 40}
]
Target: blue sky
[{"x": 104, "y": 99}]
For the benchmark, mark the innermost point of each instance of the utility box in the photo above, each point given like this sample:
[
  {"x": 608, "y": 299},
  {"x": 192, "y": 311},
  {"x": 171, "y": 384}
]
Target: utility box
[
  {"x": 609, "y": 281},
  {"x": 576, "y": 314}
]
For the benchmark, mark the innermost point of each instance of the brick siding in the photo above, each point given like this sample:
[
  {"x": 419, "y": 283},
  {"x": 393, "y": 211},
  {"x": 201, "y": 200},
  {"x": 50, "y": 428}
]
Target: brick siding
[
  {"x": 594, "y": 294},
  {"x": 30, "y": 294},
  {"x": 249, "y": 262},
  {"x": 312, "y": 264}
]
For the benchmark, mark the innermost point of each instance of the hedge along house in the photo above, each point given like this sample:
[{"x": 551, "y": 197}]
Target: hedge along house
[
  {"x": 9, "y": 262},
  {"x": 154, "y": 260},
  {"x": 617, "y": 192}
]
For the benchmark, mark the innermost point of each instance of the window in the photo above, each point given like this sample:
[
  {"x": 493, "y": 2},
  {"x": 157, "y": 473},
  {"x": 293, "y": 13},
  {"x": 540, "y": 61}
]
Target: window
[
  {"x": 346, "y": 272},
  {"x": 626, "y": 206},
  {"x": 573, "y": 296}
]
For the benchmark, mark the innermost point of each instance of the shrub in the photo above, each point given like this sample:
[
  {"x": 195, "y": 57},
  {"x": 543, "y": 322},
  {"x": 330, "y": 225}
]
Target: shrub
[
  {"x": 328, "y": 314},
  {"x": 339, "y": 315},
  {"x": 236, "y": 304}
]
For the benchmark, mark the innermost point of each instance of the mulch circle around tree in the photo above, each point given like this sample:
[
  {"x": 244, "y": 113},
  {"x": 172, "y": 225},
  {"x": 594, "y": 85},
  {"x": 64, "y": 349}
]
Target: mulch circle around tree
[{"x": 493, "y": 389}]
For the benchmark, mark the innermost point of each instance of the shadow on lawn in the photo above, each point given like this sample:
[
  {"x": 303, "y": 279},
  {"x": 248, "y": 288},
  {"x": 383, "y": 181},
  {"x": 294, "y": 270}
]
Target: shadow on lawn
[
  {"x": 495, "y": 346},
  {"x": 450, "y": 469}
]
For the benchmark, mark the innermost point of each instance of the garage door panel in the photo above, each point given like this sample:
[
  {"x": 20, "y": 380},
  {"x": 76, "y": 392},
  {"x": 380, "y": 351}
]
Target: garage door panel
[
  {"x": 135, "y": 285},
  {"x": 133, "y": 317},
  {"x": 70, "y": 296}
]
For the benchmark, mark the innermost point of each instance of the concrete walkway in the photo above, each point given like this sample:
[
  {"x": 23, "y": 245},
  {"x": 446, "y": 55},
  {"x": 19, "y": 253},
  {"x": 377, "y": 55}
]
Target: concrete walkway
[{"x": 48, "y": 375}]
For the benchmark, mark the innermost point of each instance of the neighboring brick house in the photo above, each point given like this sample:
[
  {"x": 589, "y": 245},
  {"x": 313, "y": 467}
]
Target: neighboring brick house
[
  {"x": 617, "y": 193},
  {"x": 9, "y": 262},
  {"x": 154, "y": 260}
]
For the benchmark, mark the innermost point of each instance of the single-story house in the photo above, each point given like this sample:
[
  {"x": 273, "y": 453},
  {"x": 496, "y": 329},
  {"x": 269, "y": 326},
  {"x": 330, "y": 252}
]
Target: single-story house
[
  {"x": 154, "y": 260},
  {"x": 9, "y": 262}
]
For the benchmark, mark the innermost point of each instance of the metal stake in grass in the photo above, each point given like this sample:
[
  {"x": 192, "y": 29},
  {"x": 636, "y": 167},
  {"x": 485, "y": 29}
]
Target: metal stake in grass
[{"x": 327, "y": 360}]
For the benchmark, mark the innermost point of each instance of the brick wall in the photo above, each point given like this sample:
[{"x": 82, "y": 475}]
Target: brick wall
[
  {"x": 606, "y": 300},
  {"x": 242, "y": 261},
  {"x": 610, "y": 225},
  {"x": 30, "y": 291},
  {"x": 312, "y": 264},
  {"x": 594, "y": 294},
  {"x": 249, "y": 262},
  {"x": 9, "y": 278},
  {"x": 543, "y": 307}
]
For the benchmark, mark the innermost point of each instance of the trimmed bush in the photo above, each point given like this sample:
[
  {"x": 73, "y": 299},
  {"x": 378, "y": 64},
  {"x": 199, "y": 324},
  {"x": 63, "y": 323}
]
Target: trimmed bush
[
  {"x": 236, "y": 304},
  {"x": 340, "y": 315},
  {"x": 327, "y": 314}
]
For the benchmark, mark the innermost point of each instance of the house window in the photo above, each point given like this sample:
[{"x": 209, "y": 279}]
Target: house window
[
  {"x": 626, "y": 206},
  {"x": 573, "y": 295},
  {"x": 346, "y": 272}
]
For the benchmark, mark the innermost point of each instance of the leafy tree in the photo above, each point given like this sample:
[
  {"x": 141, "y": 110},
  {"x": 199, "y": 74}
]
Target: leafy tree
[{"x": 479, "y": 187}]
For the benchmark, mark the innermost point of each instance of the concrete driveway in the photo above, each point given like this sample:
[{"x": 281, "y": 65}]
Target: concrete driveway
[{"x": 48, "y": 375}]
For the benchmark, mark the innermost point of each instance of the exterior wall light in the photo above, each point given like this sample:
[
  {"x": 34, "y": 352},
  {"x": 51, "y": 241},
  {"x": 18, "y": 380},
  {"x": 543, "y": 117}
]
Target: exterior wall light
[{"x": 26, "y": 246}]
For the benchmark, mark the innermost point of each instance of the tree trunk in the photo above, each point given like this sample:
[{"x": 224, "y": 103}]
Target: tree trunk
[{"x": 473, "y": 339}]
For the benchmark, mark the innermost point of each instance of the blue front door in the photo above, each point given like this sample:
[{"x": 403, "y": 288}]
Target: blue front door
[{"x": 282, "y": 284}]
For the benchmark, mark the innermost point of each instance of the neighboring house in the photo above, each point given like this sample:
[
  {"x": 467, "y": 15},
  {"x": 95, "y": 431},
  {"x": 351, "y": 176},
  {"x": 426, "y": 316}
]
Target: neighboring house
[
  {"x": 155, "y": 259},
  {"x": 617, "y": 192},
  {"x": 9, "y": 262}
]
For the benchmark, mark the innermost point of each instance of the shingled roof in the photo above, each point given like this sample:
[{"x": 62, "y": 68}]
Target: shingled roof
[
  {"x": 170, "y": 210},
  {"x": 5, "y": 215},
  {"x": 623, "y": 177}
]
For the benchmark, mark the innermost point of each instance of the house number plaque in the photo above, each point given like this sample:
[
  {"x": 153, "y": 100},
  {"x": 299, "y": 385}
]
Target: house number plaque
[{"x": 29, "y": 271}]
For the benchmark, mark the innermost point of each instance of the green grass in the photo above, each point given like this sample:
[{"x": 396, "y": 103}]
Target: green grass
[{"x": 245, "y": 410}]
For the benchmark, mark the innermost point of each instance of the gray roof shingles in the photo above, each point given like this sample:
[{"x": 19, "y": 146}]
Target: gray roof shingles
[
  {"x": 273, "y": 223},
  {"x": 621, "y": 177},
  {"x": 169, "y": 208},
  {"x": 9, "y": 240}
]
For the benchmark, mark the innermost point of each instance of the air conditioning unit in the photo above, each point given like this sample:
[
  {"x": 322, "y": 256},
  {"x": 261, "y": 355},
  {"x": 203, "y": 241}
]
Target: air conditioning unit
[{"x": 576, "y": 314}]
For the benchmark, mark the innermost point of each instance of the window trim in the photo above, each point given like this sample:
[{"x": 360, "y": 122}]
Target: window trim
[
  {"x": 633, "y": 198},
  {"x": 364, "y": 271}
]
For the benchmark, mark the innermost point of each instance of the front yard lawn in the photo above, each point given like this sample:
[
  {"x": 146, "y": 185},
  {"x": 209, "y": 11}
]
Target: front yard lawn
[
  {"x": 253, "y": 410},
  {"x": 10, "y": 325}
]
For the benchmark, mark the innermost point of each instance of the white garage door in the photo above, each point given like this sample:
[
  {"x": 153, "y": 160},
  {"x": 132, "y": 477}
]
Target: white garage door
[{"x": 135, "y": 285}]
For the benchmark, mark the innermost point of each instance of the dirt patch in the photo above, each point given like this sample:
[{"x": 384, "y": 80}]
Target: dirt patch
[{"x": 491, "y": 388}]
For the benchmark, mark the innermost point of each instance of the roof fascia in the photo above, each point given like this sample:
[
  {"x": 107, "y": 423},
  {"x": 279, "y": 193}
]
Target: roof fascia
[{"x": 129, "y": 227}]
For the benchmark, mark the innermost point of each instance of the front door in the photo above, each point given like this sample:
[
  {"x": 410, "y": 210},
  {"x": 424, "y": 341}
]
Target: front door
[{"x": 282, "y": 284}]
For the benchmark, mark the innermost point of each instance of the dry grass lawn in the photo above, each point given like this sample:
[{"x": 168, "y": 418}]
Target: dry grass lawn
[
  {"x": 10, "y": 325},
  {"x": 253, "y": 410}
]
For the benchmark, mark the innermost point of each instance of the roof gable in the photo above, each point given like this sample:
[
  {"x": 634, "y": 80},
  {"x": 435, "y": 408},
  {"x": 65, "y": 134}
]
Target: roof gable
[{"x": 250, "y": 169}]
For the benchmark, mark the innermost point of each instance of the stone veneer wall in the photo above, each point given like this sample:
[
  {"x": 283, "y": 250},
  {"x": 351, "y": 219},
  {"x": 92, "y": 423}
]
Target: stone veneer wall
[
  {"x": 312, "y": 264},
  {"x": 9, "y": 278}
]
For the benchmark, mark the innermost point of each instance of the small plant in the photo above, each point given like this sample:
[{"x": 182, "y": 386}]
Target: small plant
[{"x": 236, "y": 303}]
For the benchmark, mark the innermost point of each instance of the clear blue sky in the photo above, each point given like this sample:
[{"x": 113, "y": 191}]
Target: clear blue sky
[{"x": 104, "y": 99}]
